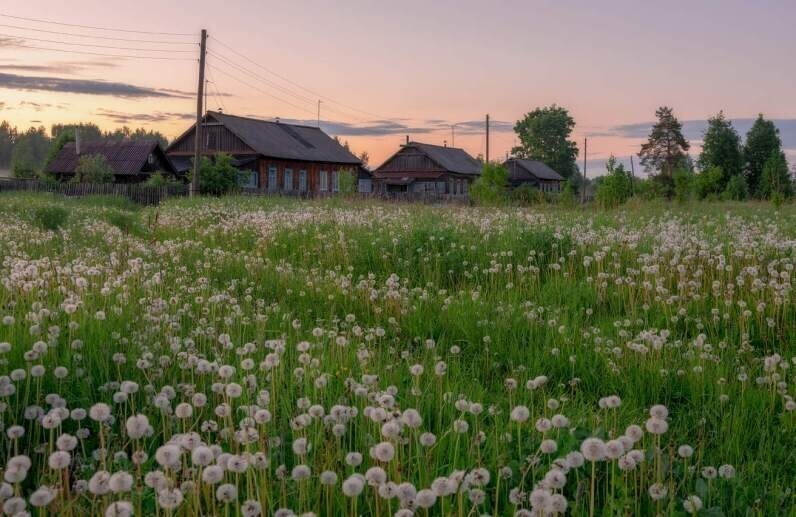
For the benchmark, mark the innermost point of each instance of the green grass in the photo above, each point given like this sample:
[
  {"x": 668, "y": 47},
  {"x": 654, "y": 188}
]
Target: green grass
[{"x": 647, "y": 303}]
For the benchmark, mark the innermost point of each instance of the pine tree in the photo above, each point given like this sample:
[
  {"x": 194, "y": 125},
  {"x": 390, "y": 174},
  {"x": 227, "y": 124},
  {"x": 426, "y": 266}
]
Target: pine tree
[
  {"x": 721, "y": 149},
  {"x": 666, "y": 147}
]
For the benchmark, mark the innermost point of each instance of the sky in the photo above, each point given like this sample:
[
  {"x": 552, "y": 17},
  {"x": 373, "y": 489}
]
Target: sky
[{"x": 384, "y": 70}]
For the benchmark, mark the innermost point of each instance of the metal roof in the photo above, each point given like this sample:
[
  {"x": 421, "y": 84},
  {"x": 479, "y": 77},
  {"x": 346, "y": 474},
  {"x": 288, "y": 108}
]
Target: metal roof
[
  {"x": 286, "y": 141},
  {"x": 125, "y": 157},
  {"x": 535, "y": 168}
]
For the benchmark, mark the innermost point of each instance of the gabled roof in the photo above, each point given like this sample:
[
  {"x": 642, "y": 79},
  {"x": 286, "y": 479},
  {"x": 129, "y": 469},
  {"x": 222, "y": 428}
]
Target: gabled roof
[
  {"x": 286, "y": 141},
  {"x": 535, "y": 168},
  {"x": 452, "y": 159},
  {"x": 125, "y": 157}
]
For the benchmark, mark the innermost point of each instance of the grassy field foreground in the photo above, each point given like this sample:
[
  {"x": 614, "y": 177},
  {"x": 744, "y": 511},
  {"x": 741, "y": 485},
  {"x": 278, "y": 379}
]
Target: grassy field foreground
[{"x": 248, "y": 357}]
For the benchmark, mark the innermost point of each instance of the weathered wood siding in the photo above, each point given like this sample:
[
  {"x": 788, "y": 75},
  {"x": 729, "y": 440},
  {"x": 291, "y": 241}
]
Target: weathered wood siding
[
  {"x": 409, "y": 159},
  {"x": 216, "y": 138}
]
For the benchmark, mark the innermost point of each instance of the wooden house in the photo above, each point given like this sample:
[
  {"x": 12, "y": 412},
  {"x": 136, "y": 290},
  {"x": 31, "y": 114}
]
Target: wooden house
[
  {"x": 426, "y": 168},
  {"x": 132, "y": 161},
  {"x": 272, "y": 156},
  {"x": 533, "y": 173}
]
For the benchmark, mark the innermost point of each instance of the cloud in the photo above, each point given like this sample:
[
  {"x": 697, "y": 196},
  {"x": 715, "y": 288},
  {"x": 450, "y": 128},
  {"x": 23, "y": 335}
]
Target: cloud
[
  {"x": 157, "y": 116},
  {"x": 6, "y": 42},
  {"x": 694, "y": 130},
  {"x": 2, "y": 105},
  {"x": 399, "y": 126},
  {"x": 58, "y": 67},
  {"x": 82, "y": 86}
]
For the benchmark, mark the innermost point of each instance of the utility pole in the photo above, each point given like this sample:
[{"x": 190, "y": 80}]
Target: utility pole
[
  {"x": 632, "y": 177},
  {"x": 194, "y": 190},
  {"x": 319, "y": 113},
  {"x": 585, "y": 153},
  {"x": 487, "y": 138}
]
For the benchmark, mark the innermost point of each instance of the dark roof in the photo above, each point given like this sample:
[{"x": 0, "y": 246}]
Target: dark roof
[
  {"x": 286, "y": 141},
  {"x": 535, "y": 168},
  {"x": 125, "y": 157},
  {"x": 451, "y": 159}
]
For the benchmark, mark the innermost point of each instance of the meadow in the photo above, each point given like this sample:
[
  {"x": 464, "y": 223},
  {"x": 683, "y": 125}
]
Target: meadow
[{"x": 243, "y": 356}]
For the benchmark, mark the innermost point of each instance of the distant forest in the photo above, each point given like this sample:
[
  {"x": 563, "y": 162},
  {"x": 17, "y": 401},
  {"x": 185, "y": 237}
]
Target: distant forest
[{"x": 26, "y": 151}]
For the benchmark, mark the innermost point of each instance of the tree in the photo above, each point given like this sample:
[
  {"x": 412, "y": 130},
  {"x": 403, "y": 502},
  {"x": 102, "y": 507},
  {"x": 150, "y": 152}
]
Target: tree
[
  {"x": 88, "y": 130},
  {"x": 736, "y": 190},
  {"x": 616, "y": 186},
  {"x": 721, "y": 149},
  {"x": 544, "y": 135},
  {"x": 30, "y": 149},
  {"x": 364, "y": 157},
  {"x": 762, "y": 141},
  {"x": 490, "y": 187},
  {"x": 93, "y": 168},
  {"x": 665, "y": 150},
  {"x": 775, "y": 180},
  {"x": 217, "y": 177},
  {"x": 8, "y": 135}
]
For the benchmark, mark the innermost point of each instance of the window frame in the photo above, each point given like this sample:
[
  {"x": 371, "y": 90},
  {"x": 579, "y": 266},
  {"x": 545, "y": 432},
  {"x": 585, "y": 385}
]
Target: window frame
[
  {"x": 323, "y": 181},
  {"x": 287, "y": 186}
]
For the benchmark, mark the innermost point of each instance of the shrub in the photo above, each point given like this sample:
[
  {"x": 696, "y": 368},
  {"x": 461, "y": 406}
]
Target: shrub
[
  {"x": 50, "y": 217},
  {"x": 683, "y": 185},
  {"x": 737, "y": 189},
  {"x": 93, "y": 168},
  {"x": 217, "y": 177},
  {"x": 775, "y": 178},
  {"x": 708, "y": 182},
  {"x": 490, "y": 187},
  {"x": 525, "y": 194},
  {"x": 348, "y": 181},
  {"x": 615, "y": 187},
  {"x": 161, "y": 179}
]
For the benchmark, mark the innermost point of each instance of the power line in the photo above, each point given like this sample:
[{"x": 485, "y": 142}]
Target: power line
[
  {"x": 92, "y": 36},
  {"x": 261, "y": 78},
  {"x": 279, "y": 87},
  {"x": 104, "y": 54},
  {"x": 24, "y": 38},
  {"x": 38, "y": 20},
  {"x": 216, "y": 68},
  {"x": 295, "y": 83},
  {"x": 217, "y": 93}
]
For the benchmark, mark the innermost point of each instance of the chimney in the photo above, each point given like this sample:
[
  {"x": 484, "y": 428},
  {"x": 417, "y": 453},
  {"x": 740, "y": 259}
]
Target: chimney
[
  {"x": 444, "y": 143},
  {"x": 407, "y": 139},
  {"x": 277, "y": 120},
  {"x": 77, "y": 140}
]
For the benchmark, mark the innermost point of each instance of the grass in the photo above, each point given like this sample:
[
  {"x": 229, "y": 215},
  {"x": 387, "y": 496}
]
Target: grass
[{"x": 336, "y": 307}]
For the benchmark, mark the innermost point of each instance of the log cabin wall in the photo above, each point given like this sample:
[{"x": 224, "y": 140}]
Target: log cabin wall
[{"x": 313, "y": 169}]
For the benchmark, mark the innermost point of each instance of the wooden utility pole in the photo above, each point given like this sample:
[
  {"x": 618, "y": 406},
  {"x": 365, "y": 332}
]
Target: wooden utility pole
[
  {"x": 585, "y": 154},
  {"x": 632, "y": 177},
  {"x": 194, "y": 190},
  {"x": 487, "y": 138}
]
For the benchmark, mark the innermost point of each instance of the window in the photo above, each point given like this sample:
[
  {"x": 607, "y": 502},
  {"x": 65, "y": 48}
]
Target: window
[
  {"x": 247, "y": 179},
  {"x": 272, "y": 178},
  {"x": 302, "y": 181},
  {"x": 335, "y": 181},
  {"x": 151, "y": 159},
  {"x": 323, "y": 180},
  {"x": 365, "y": 186},
  {"x": 211, "y": 140},
  {"x": 288, "y": 179}
]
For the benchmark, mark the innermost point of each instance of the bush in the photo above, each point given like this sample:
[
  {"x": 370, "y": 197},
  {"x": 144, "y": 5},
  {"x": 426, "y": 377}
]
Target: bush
[
  {"x": 525, "y": 194},
  {"x": 50, "y": 217},
  {"x": 348, "y": 181},
  {"x": 217, "y": 177},
  {"x": 93, "y": 168},
  {"x": 683, "y": 185},
  {"x": 616, "y": 187},
  {"x": 490, "y": 187},
  {"x": 775, "y": 179},
  {"x": 161, "y": 179},
  {"x": 737, "y": 189},
  {"x": 708, "y": 182}
]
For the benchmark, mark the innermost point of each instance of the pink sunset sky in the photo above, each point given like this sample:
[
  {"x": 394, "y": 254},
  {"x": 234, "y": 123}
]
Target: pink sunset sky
[{"x": 387, "y": 69}]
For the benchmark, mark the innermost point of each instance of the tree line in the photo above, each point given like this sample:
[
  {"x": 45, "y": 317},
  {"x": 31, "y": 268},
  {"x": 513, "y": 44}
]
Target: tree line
[
  {"x": 728, "y": 167},
  {"x": 27, "y": 152}
]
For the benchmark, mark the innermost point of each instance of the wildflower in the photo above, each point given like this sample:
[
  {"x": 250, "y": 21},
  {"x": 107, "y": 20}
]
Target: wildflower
[
  {"x": 353, "y": 486},
  {"x": 692, "y": 504},
  {"x": 593, "y": 449},
  {"x": 520, "y": 414}
]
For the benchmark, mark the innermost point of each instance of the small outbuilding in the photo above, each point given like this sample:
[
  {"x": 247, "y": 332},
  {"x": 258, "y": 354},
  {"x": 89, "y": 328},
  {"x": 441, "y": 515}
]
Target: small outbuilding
[
  {"x": 132, "y": 161},
  {"x": 427, "y": 168},
  {"x": 534, "y": 173}
]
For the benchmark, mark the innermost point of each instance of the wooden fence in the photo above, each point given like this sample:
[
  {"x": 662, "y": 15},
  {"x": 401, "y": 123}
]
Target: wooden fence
[{"x": 136, "y": 192}]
